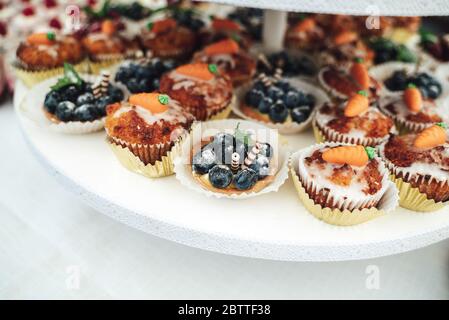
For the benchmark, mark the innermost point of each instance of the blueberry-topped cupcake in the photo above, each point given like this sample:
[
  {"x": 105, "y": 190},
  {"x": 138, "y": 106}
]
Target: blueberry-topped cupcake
[
  {"x": 230, "y": 58},
  {"x": 144, "y": 75},
  {"x": 291, "y": 63},
  {"x": 202, "y": 89},
  {"x": 343, "y": 83},
  {"x": 73, "y": 100},
  {"x": 353, "y": 121},
  {"x": 429, "y": 86}
]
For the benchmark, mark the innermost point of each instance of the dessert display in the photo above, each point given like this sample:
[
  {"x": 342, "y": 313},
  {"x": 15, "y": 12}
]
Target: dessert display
[
  {"x": 143, "y": 75},
  {"x": 234, "y": 159},
  {"x": 230, "y": 58},
  {"x": 43, "y": 55},
  {"x": 419, "y": 164},
  {"x": 106, "y": 47},
  {"x": 202, "y": 89},
  {"x": 411, "y": 111},
  {"x": 354, "y": 121},
  {"x": 285, "y": 104},
  {"x": 145, "y": 132},
  {"x": 342, "y": 184},
  {"x": 305, "y": 34},
  {"x": 343, "y": 83},
  {"x": 75, "y": 105}
]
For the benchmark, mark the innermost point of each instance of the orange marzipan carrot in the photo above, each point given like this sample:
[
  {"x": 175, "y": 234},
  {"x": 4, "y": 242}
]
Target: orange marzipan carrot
[
  {"x": 413, "y": 98},
  {"x": 431, "y": 137},
  {"x": 149, "y": 101},
  {"x": 227, "y": 46},
  {"x": 352, "y": 155},
  {"x": 357, "y": 104},
  {"x": 39, "y": 38},
  {"x": 108, "y": 27},
  {"x": 224, "y": 24},
  {"x": 305, "y": 25},
  {"x": 360, "y": 74},
  {"x": 345, "y": 37},
  {"x": 196, "y": 70}
]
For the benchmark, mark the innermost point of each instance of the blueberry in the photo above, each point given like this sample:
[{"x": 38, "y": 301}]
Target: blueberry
[
  {"x": 433, "y": 91},
  {"x": 265, "y": 105},
  {"x": 155, "y": 84},
  {"x": 70, "y": 93},
  {"x": 283, "y": 85},
  {"x": 158, "y": 65},
  {"x": 292, "y": 99},
  {"x": 64, "y": 111},
  {"x": 169, "y": 65},
  {"x": 51, "y": 101},
  {"x": 266, "y": 150},
  {"x": 133, "y": 85},
  {"x": 220, "y": 176},
  {"x": 115, "y": 93},
  {"x": 85, "y": 112},
  {"x": 144, "y": 72},
  {"x": 275, "y": 93},
  {"x": 258, "y": 85},
  {"x": 85, "y": 98},
  {"x": 123, "y": 74},
  {"x": 310, "y": 100},
  {"x": 278, "y": 112},
  {"x": 261, "y": 165},
  {"x": 144, "y": 85},
  {"x": 254, "y": 97},
  {"x": 203, "y": 161},
  {"x": 298, "y": 115},
  {"x": 397, "y": 82},
  {"x": 101, "y": 105},
  {"x": 245, "y": 179}
]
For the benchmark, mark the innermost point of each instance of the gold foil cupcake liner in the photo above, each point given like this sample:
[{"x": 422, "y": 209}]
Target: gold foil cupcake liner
[
  {"x": 125, "y": 153},
  {"x": 104, "y": 62},
  {"x": 31, "y": 78}
]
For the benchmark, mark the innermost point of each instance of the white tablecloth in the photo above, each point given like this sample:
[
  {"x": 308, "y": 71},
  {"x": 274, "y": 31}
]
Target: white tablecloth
[{"x": 54, "y": 246}]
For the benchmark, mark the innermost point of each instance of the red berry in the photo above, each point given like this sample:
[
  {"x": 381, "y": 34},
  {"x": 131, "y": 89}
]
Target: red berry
[
  {"x": 91, "y": 3},
  {"x": 55, "y": 23},
  {"x": 3, "y": 29},
  {"x": 28, "y": 11},
  {"x": 50, "y": 3}
]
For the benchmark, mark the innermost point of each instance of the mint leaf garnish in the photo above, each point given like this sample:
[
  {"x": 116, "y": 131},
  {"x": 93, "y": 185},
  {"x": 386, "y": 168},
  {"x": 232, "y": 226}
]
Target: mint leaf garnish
[
  {"x": 71, "y": 77},
  {"x": 243, "y": 136}
]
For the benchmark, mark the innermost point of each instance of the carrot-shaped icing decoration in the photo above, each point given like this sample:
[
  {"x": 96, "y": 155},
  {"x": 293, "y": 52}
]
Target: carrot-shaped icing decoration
[
  {"x": 305, "y": 25},
  {"x": 42, "y": 38},
  {"x": 413, "y": 98},
  {"x": 227, "y": 46},
  {"x": 200, "y": 71},
  {"x": 353, "y": 155},
  {"x": 357, "y": 104},
  {"x": 162, "y": 25},
  {"x": 225, "y": 24},
  {"x": 345, "y": 37},
  {"x": 154, "y": 102},
  {"x": 360, "y": 73},
  {"x": 431, "y": 137},
  {"x": 108, "y": 27}
]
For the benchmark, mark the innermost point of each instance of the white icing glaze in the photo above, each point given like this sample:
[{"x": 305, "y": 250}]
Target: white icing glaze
[{"x": 402, "y": 111}]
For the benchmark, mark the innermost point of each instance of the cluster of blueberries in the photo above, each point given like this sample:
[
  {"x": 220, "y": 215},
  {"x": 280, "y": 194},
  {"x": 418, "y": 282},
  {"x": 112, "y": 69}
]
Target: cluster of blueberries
[
  {"x": 291, "y": 65},
  {"x": 77, "y": 102},
  {"x": 143, "y": 77},
  {"x": 188, "y": 18},
  {"x": 279, "y": 101},
  {"x": 215, "y": 159},
  {"x": 251, "y": 19},
  {"x": 430, "y": 87},
  {"x": 386, "y": 50}
]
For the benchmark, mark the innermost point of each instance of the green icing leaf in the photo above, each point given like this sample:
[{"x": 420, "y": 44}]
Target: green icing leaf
[
  {"x": 362, "y": 93},
  {"x": 441, "y": 124},
  {"x": 51, "y": 36},
  {"x": 371, "y": 152},
  {"x": 150, "y": 25},
  {"x": 213, "y": 68},
  {"x": 163, "y": 99}
]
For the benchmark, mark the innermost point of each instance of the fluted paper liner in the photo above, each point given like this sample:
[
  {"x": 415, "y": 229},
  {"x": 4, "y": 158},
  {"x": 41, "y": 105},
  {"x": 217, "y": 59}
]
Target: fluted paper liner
[
  {"x": 104, "y": 61},
  {"x": 409, "y": 197},
  {"x": 283, "y": 128},
  {"x": 32, "y": 78},
  {"x": 33, "y": 109},
  {"x": 183, "y": 167},
  {"x": 161, "y": 168},
  {"x": 388, "y": 202}
]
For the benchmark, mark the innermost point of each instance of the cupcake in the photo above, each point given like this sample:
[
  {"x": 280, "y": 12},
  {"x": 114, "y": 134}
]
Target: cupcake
[
  {"x": 167, "y": 39},
  {"x": 145, "y": 132},
  {"x": 283, "y": 104},
  {"x": 353, "y": 121},
  {"x": 305, "y": 34},
  {"x": 221, "y": 28},
  {"x": 43, "y": 55},
  {"x": 76, "y": 105},
  {"x": 233, "y": 159},
  {"x": 419, "y": 165},
  {"x": 201, "y": 89},
  {"x": 232, "y": 60},
  {"x": 411, "y": 111},
  {"x": 342, "y": 184},
  {"x": 343, "y": 83},
  {"x": 105, "y": 47}
]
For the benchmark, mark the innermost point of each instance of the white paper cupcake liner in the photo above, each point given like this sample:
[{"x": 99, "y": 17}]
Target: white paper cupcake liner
[
  {"x": 283, "y": 128},
  {"x": 342, "y": 203},
  {"x": 183, "y": 167},
  {"x": 32, "y": 107}
]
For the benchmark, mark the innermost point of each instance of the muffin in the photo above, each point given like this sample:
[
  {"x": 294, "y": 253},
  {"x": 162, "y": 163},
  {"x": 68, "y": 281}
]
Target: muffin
[
  {"x": 43, "y": 55},
  {"x": 354, "y": 121},
  {"x": 305, "y": 34},
  {"x": 411, "y": 112},
  {"x": 77, "y": 104},
  {"x": 221, "y": 28},
  {"x": 342, "y": 184},
  {"x": 145, "y": 132},
  {"x": 167, "y": 39},
  {"x": 201, "y": 89},
  {"x": 106, "y": 47},
  {"x": 343, "y": 83},
  {"x": 230, "y": 58},
  {"x": 419, "y": 165}
]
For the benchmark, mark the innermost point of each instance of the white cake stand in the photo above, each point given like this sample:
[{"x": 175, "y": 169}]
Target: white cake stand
[{"x": 273, "y": 226}]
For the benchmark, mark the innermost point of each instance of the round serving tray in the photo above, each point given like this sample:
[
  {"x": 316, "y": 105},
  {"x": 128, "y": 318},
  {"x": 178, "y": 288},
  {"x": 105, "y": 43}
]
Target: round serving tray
[{"x": 272, "y": 226}]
